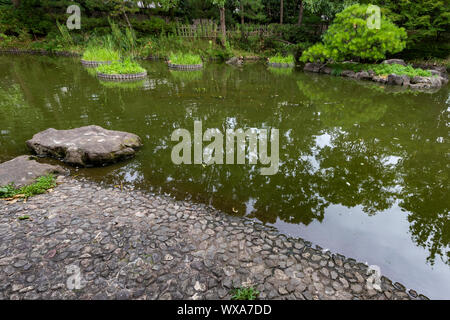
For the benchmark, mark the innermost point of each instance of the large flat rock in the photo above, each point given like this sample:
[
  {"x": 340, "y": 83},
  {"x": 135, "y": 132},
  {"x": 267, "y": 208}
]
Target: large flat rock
[
  {"x": 24, "y": 170},
  {"x": 85, "y": 146}
]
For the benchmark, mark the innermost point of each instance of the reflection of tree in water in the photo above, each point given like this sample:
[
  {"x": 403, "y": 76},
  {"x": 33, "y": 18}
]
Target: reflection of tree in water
[
  {"x": 353, "y": 173},
  {"x": 343, "y": 110},
  {"x": 423, "y": 172},
  {"x": 365, "y": 129},
  {"x": 355, "y": 165}
]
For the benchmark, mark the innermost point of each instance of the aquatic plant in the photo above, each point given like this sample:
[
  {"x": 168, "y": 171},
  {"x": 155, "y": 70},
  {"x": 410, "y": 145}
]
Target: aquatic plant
[
  {"x": 278, "y": 58},
  {"x": 127, "y": 66},
  {"x": 100, "y": 54},
  {"x": 185, "y": 58}
]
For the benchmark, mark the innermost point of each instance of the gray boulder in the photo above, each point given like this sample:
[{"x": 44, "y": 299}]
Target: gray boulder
[
  {"x": 380, "y": 79},
  {"x": 85, "y": 146},
  {"x": 235, "y": 61},
  {"x": 395, "y": 61},
  {"x": 348, "y": 73},
  {"x": 312, "y": 67},
  {"x": 428, "y": 82},
  {"x": 24, "y": 170},
  {"x": 400, "y": 80},
  {"x": 363, "y": 75},
  {"x": 326, "y": 70}
]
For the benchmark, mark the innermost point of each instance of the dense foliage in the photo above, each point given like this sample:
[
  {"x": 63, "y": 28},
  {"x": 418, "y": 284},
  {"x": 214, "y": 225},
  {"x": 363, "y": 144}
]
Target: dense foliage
[
  {"x": 295, "y": 24},
  {"x": 427, "y": 23},
  {"x": 349, "y": 37}
]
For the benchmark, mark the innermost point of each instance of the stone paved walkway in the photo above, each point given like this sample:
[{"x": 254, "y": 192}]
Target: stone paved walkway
[{"x": 83, "y": 241}]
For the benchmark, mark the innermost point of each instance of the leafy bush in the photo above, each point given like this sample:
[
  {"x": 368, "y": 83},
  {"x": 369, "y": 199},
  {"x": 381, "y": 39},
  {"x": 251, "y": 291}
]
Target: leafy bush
[
  {"x": 185, "y": 58},
  {"x": 100, "y": 54},
  {"x": 380, "y": 69},
  {"x": 127, "y": 66},
  {"x": 349, "y": 37},
  {"x": 282, "y": 59},
  {"x": 41, "y": 185}
]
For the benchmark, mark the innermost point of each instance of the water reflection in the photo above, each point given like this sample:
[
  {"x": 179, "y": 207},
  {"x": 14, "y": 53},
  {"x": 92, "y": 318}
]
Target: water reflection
[{"x": 343, "y": 143}]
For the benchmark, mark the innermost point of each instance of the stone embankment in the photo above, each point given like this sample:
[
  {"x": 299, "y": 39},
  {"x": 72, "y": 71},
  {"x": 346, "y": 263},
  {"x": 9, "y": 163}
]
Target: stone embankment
[
  {"x": 85, "y": 241},
  {"x": 437, "y": 79}
]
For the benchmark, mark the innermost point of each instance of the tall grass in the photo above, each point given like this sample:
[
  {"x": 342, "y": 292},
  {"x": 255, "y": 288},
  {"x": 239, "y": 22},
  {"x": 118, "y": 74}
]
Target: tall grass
[
  {"x": 124, "y": 41},
  {"x": 66, "y": 37}
]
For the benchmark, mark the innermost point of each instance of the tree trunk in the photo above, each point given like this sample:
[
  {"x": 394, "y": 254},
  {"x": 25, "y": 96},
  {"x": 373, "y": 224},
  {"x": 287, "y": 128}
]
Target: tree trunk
[
  {"x": 300, "y": 13},
  {"x": 128, "y": 21},
  {"x": 242, "y": 12},
  {"x": 16, "y": 3},
  {"x": 223, "y": 29},
  {"x": 281, "y": 11}
]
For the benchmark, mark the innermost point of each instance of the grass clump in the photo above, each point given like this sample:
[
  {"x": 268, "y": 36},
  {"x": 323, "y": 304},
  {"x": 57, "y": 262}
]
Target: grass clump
[
  {"x": 278, "y": 58},
  {"x": 127, "y": 66},
  {"x": 382, "y": 69},
  {"x": 184, "y": 58},
  {"x": 41, "y": 185},
  {"x": 244, "y": 294},
  {"x": 100, "y": 54}
]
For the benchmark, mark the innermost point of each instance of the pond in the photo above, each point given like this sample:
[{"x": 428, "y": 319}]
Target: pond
[{"x": 363, "y": 169}]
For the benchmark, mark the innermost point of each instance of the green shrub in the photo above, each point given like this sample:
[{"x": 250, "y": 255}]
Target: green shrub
[
  {"x": 349, "y": 37},
  {"x": 100, "y": 54},
  {"x": 185, "y": 58},
  {"x": 41, "y": 185},
  {"x": 127, "y": 66}
]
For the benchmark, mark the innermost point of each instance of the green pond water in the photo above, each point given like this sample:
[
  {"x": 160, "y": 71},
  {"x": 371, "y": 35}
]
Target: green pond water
[{"x": 363, "y": 169}]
